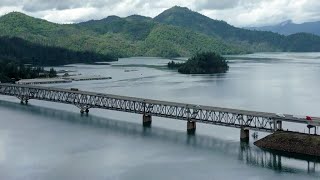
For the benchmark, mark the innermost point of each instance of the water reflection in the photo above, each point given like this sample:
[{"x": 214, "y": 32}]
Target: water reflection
[
  {"x": 246, "y": 153},
  {"x": 274, "y": 160}
]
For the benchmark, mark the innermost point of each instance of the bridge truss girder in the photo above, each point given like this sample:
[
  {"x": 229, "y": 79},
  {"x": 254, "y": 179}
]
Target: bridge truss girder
[{"x": 187, "y": 112}]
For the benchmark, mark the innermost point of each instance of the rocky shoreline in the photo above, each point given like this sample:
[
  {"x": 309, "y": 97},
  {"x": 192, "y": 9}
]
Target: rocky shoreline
[{"x": 291, "y": 142}]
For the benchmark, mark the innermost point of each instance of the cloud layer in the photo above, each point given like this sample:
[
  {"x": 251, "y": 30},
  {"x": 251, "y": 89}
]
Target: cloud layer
[{"x": 236, "y": 12}]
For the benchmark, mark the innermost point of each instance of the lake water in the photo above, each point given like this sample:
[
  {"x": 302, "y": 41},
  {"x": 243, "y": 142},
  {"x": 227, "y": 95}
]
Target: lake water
[{"x": 45, "y": 140}]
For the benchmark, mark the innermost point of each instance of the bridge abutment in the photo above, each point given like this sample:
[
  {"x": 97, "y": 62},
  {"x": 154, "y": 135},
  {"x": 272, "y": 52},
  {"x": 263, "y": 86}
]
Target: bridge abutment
[
  {"x": 146, "y": 120},
  {"x": 244, "y": 134},
  {"x": 191, "y": 127}
]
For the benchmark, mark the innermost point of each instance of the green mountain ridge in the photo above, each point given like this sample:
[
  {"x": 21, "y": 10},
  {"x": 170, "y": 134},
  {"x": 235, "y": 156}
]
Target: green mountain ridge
[
  {"x": 175, "y": 32},
  {"x": 252, "y": 39},
  {"x": 113, "y": 36}
]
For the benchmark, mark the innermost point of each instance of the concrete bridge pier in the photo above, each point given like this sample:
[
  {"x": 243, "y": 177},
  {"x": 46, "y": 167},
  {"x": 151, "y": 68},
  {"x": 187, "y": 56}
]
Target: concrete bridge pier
[
  {"x": 23, "y": 100},
  {"x": 146, "y": 120},
  {"x": 84, "y": 110},
  {"x": 277, "y": 126},
  {"x": 191, "y": 127},
  {"x": 244, "y": 134}
]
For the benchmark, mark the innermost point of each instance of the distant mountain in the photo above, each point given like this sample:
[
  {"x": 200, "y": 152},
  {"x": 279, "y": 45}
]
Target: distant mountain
[
  {"x": 252, "y": 39},
  {"x": 288, "y": 28}
]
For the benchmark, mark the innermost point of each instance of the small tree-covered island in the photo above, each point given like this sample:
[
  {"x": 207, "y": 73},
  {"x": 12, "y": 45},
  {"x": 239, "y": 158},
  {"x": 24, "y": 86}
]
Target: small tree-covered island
[{"x": 202, "y": 63}]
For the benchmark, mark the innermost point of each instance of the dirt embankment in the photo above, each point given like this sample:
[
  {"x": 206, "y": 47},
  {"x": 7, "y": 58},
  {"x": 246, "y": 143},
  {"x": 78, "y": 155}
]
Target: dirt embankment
[{"x": 292, "y": 143}]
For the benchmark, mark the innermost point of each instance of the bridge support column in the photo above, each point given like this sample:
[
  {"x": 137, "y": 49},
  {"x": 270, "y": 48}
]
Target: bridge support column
[
  {"x": 146, "y": 120},
  {"x": 191, "y": 127},
  {"x": 244, "y": 134},
  {"x": 277, "y": 126},
  {"x": 82, "y": 111},
  {"x": 23, "y": 99},
  {"x": 83, "y": 108}
]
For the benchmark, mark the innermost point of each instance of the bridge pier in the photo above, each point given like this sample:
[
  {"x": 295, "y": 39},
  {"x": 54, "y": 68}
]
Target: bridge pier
[
  {"x": 277, "y": 125},
  {"x": 280, "y": 125},
  {"x": 24, "y": 100},
  {"x": 191, "y": 127},
  {"x": 244, "y": 134},
  {"x": 146, "y": 120},
  {"x": 82, "y": 111}
]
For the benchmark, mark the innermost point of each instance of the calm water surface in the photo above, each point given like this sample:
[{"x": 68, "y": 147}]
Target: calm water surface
[{"x": 45, "y": 140}]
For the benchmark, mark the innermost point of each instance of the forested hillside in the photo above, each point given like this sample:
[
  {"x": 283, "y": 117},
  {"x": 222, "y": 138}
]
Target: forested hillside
[
  {"x": 29, "y": 53},
  {"x": 67, "y": 36},
  {"x": 113, "y": 36},
  {"x": 156, "y": 39},
  {"x": 175, "y": 32},
  {"x": 254, "y": 40}
]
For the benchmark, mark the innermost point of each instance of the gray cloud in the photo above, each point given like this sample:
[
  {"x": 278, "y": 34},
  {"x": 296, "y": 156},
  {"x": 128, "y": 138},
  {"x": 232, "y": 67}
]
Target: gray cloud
[
  {"x": 9, "y": 3},
  {"x": 43, "y": 5},
  {"x": 224, "y": 4},
  {"x": 236, "y": 12}
]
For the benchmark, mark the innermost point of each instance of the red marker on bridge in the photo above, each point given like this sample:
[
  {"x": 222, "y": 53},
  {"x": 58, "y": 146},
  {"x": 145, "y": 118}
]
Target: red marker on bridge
[{"x": 308, "y": 118}]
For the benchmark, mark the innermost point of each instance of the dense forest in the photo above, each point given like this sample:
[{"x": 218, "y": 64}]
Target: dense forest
[
  {"x": 29, "y": 53},
  {"x": 11, "y": 71},
  {"x": 202, "y": 63}
]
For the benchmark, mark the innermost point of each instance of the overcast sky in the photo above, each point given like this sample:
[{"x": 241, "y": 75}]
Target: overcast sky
[{"x": 236, "y": 12}]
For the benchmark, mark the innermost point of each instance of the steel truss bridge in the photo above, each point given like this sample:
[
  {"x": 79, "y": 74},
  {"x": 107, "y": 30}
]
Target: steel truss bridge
[{"x": 258, "y": 121}]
